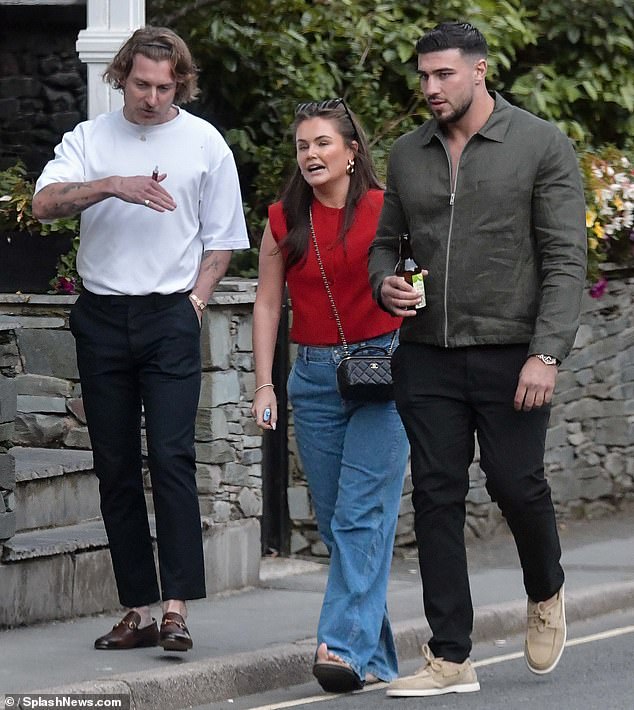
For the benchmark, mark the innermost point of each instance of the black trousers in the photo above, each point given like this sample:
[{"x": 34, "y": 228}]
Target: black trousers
[
  {"x": 141, "y": 355},
  {"x": 444, "y": 396}
]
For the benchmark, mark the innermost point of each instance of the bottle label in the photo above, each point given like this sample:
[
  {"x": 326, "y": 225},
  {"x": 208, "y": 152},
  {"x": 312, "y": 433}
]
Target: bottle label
[{"x": 419, "y": 285}]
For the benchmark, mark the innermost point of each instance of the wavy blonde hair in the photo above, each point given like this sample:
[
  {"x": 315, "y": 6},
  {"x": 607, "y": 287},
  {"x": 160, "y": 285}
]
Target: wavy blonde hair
[{"x": 157, "y": 43}]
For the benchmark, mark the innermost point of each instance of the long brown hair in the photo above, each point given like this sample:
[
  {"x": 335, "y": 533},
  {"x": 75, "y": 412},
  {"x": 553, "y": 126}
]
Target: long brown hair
[{"x": 297, "y": 195}]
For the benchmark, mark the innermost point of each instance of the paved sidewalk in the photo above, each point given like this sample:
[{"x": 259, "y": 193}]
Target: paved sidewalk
[{"x": 263, "y": 638}]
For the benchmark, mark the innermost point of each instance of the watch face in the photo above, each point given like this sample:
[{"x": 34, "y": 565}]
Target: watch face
[{"x": 547, "y": 359}]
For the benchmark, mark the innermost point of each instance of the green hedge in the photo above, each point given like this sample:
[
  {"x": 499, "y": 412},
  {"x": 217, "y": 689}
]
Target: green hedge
[{"x": 568, "y": 61}]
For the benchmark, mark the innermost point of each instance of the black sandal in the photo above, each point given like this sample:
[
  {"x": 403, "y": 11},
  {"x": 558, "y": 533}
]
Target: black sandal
[{"x": 336, "y": 677}]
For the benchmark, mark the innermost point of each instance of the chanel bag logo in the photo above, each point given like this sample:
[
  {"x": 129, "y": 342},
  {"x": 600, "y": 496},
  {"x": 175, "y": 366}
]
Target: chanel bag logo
[{"x": 366, "y": 377}]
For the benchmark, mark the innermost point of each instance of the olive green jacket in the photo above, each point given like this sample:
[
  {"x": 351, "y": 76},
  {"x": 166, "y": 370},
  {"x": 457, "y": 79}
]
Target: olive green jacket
[{"x": 506, "y": 252}]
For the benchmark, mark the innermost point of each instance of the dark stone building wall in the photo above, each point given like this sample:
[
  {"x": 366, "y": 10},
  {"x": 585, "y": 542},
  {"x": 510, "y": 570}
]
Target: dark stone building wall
[{"x": 42, "y": 81}]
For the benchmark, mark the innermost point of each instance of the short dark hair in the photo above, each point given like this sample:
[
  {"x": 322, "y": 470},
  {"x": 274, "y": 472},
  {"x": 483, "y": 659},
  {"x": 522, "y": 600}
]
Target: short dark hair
[
  {"x": 157, "y": 43},
  {"x": 453, "y": 35}
]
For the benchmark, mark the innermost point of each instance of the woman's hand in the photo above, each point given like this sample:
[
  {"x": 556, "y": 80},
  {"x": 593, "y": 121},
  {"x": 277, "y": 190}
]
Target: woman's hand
[{"x": 264, "y": 408}]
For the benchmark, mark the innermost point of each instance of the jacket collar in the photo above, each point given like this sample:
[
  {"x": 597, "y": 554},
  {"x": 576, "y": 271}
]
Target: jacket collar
[{"x": 494, "y": 129}]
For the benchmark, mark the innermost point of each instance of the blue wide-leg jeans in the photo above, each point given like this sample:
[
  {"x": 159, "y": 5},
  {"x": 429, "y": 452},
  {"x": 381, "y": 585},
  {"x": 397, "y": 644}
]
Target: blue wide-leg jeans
[{"x": 354, "y": 457}]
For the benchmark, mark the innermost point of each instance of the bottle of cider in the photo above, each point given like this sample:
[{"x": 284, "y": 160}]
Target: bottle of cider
[{"x": 408, "y": 269}]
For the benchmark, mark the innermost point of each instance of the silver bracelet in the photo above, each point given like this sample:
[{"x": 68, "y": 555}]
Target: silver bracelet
[{"x": 268, "y": 384}]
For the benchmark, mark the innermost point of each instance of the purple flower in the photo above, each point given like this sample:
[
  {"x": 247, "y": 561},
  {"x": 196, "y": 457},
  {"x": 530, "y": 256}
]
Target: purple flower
[
  {"x": 65, "y": 285},
  {"x": 598, "y": 289}
]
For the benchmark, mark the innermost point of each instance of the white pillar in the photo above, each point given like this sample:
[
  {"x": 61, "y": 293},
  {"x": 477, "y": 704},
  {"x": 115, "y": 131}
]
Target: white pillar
[{"x": 110, "y": 23}]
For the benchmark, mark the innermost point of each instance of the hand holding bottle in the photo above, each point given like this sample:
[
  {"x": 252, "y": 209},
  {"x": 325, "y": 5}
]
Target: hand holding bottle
[
  {"x": 404, "y": 293},
  {"x": 408, "y": 269}
]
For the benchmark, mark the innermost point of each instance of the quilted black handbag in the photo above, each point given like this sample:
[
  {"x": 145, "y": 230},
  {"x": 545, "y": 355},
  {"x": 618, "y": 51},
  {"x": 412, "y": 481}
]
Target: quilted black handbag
[{"x": 364, "y": 374}]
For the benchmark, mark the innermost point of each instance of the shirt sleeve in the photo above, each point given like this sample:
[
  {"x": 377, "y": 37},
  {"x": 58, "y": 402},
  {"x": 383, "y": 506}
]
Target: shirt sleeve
[
  {"x": 560, "y": 234},
  {"x": 277, "y": 221},
  {"x": 68, "y": 165},
  {"x": 222, "y": 223},
  {"x": 392, "y": 222}
]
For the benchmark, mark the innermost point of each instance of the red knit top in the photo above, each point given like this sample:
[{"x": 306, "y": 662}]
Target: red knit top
[{"x": 346, "y": 266}]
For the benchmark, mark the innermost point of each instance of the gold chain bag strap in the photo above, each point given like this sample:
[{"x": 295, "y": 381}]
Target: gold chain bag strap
[{"x": 362, "y": 375}]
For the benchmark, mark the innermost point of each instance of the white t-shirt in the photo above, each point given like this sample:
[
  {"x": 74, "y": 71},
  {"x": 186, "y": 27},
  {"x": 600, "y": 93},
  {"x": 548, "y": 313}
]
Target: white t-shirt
[{"x": 131, "y": 249}]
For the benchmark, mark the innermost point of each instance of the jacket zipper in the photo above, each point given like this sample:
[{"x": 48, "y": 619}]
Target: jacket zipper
[{"x": 452, "y": 198}]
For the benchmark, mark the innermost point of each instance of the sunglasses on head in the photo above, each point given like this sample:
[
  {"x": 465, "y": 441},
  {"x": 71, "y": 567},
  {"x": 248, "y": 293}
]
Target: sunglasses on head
[
  {"x": 158, "y": 45},
  {"x": 325, "y": 105}
]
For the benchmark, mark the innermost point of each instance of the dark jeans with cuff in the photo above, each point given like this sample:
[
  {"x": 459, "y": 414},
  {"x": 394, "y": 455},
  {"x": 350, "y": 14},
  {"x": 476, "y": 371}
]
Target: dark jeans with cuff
[
  {"x": 140, "y": 355},
  {"x": 444, "y": 396}
]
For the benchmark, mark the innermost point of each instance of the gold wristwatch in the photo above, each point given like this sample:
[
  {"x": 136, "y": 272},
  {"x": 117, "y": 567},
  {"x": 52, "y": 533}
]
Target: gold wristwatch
[{"x": 198, "y": 302}]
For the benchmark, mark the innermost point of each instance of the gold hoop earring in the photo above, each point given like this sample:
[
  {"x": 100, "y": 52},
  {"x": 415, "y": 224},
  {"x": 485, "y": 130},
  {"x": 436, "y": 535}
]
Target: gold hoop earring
[{"x": 350, "y": 166}]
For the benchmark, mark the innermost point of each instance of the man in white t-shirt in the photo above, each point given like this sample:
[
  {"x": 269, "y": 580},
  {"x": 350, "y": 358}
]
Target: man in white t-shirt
[{"x": 161, "y": 212}]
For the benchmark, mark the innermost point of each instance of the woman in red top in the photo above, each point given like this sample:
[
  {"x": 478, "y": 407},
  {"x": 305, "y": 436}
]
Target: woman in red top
[{"x": 353, "y": 453}]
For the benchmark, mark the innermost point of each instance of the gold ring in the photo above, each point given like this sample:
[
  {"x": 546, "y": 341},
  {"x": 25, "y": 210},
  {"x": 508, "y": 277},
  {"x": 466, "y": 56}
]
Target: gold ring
[{"x": 146, "y": 203}]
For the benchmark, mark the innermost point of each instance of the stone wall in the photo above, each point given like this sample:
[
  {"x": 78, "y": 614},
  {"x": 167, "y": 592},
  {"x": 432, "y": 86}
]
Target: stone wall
[
  {"x": 590, "y": 445},
  {"x": 42, "y": 81},
  {"x": 37, "y": 356},
  {"x": 7, "y": 463}
]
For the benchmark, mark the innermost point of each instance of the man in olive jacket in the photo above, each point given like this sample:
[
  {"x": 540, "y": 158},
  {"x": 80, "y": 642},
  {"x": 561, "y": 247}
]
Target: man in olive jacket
[{"x": 492, "y": 199}]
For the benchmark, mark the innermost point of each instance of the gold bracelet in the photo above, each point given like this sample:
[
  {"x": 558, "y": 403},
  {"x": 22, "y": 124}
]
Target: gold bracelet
[
  {"x": 268, "y": 384},
  {"x": 200, "y": 304}
]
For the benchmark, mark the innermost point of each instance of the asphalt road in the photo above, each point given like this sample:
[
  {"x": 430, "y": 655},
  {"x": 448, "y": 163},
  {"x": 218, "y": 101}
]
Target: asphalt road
[{"x": 596, "y": 673}]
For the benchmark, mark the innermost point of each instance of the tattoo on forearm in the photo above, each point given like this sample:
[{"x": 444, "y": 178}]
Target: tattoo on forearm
[
  {"x": 214, "y": 265},
  {"x": 78, "y": 202}
]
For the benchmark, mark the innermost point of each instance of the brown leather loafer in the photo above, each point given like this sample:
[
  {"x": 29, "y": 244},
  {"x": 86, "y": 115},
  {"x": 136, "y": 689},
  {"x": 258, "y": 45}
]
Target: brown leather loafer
[
  {"x": 127, "y": 634},
  {"x": 174, "y": 634}
]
